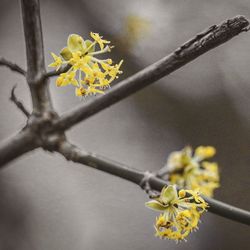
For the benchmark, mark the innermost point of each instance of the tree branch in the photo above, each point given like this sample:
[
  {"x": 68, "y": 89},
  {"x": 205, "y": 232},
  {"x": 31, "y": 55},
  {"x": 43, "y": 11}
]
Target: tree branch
[
  {"x": 58, "y": 72},
  {"x": 18, "y": 103},
  {"x": 35, "y": 56},
  {"x": 17, "y": 145},
  {"x": 72, "y": 153},
  {"x": 217, "y": 207},
  {"x": 200, "y": 44},
  {"x": 12, "y": 66}
]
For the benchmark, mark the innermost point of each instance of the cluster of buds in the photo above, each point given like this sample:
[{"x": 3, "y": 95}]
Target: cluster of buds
[
  {"x": 191, "y": 170},
  {"x": 87, "y": 73},
  {"x": 180, "y": 212}
]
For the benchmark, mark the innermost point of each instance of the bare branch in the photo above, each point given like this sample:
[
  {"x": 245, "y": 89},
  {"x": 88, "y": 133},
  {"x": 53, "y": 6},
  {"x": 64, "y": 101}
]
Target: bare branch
[
  {"x": 58, "y": 72},
  {"x": 200, "y": 44},
  {"x": 35, "y": 56},
  {"x": 12, "y": 66},
  {"x": 18, "y": 103},
  {"x": 72, "y": 153},
  {"x": 17, "y": 145}
]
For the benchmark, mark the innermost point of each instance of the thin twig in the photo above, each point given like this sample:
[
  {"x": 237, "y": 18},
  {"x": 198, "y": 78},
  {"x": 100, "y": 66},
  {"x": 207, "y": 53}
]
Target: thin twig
[
  {"x": 58, "y": 72},
  {"x": 72, "y": 153},
  {"x": 18, "y": 103},
  {"x": 200, "y": 44},
  {"x": 12, "y": 66}
]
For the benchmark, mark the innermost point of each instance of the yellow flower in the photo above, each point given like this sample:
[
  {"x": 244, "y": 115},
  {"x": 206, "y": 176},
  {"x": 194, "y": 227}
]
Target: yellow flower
[
  {"x": 99, "y": 39},
  {"x": 179, "y": 159},
  {"x": 204, "y": 152},
  {"x": 57, "y": 61},
  {"x": 189, "y": 170},
  {"x": 80, "y": 91},
  {"x": 75, "y": 43},
  {"x": 181, "y": 212},
  {"x": 89, "y": 74},
  {"x": 66, "y": 78}
]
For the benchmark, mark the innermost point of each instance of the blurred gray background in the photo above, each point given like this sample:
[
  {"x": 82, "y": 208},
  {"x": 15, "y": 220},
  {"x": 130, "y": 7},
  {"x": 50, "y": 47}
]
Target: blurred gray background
[{"x": 48, "y": 203}]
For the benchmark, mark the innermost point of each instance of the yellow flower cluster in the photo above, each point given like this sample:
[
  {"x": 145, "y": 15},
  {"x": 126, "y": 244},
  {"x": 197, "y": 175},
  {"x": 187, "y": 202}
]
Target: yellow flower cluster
[
  {"x": 190, "y": 170},
  {"x": 181, "y": 212},
  {"x": 87, "y": 73}
]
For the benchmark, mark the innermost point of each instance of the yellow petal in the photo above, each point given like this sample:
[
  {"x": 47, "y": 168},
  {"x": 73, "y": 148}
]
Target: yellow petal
[
  {"x": 168, "y": 194},
  {"x": 155, "y": 205},
  {"x": 75, "y": 43},
  {"x": 204, "y": 152}
]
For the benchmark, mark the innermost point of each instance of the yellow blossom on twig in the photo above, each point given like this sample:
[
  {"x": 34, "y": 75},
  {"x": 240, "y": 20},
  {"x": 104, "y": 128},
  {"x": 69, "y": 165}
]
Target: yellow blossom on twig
[
  {"x": 87, "y": 73},
  {"x": 180, "y": 212},
  {"x": 191, "y": 170}
]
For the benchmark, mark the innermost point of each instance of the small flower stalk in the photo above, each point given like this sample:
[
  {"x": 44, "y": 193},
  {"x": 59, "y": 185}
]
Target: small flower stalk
[
  {"x": 192, "y": 170},
  {"x": 180, "y": 212},
  {"x": 88, "y": 74}
]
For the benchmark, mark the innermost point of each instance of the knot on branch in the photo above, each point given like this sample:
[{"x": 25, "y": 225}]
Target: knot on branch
[
  {"x": 40, "y": 124},
  {"x": 145, "y": 184},
  {"x": 52, "y": 142}
]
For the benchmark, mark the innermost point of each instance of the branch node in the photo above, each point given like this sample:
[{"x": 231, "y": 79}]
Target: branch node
[{"x": 145, "y": 185}]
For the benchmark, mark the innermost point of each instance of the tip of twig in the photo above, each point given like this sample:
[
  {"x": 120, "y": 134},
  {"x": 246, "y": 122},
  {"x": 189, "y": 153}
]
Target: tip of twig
[
  {"x": 18, "y": 103},
  {"x": 244, "y": 21},
  {"x": 12, "y": 95}
]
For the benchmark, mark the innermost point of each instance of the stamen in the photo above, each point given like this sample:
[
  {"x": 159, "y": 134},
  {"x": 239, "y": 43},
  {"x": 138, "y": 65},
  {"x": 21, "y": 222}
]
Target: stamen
[
  {"x": 90, "y": 46},
  {"x": 106, "y": 49}
]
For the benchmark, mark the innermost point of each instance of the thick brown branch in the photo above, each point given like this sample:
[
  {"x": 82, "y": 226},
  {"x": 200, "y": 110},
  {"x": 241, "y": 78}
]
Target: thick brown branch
[
  {"x": 17, "y": 145},
  {"x": 18, "y": 103},
  {"x": 12, "y": 66},
  {"x": 72, "y": 153},
  {"x": 35, "y": 56},
  {"x": 200, "y": 44}
]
